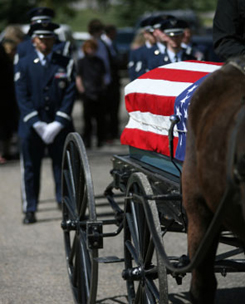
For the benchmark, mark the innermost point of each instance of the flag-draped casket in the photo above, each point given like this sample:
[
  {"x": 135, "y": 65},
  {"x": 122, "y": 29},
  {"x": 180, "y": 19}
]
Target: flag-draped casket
[{"x": 151, "y": 99}]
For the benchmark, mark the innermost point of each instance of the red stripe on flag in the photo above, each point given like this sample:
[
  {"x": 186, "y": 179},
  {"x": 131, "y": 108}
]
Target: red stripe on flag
[
  {"x": 147, "y": 141},
  {"x": 174, "y": 75},
  {"x": 155, "y": 104},
  {"x": 206, "y": 62}
]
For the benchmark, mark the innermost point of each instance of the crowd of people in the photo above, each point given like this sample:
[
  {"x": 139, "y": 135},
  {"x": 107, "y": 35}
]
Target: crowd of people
[
  {"x": 41, "y": 81},
  {"x": 166, "y": 39}
]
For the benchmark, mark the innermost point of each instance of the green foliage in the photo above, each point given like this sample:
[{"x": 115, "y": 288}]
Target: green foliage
[
  {"x": 81, "y": 18},
  {"x": 124, "y": 14},
  {"x": 129, "y": 10},
  {"x": 13, "y": 11}
]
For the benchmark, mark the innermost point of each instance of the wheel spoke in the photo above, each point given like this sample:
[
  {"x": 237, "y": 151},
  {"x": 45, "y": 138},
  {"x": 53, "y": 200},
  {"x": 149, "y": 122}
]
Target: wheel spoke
[
  {"x": 138, "y": 297},
  {"x": 132, "y": 229},
  {"x": 135, "y": 222},
  {"x": 70, "y": 210},
  {"x": 83, "y": 203},
  {"x": 70, "y": 178},
  {"x": 132, "y": 251},
  {"x": 151, "y": 290},
  {"x": 86, "y": 262},
  {"x": 149, "y": 253},
  {"x": 72, "y": 251}
]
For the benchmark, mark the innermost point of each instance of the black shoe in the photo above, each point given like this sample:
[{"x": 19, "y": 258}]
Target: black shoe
[{"x": 29, "y": 218}]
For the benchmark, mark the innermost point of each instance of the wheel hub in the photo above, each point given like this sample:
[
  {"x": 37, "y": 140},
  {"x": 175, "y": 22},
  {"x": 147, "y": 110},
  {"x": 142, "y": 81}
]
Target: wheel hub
[
  {"x": 69, "y": 225},
  {"x": 135, "y": 274}
]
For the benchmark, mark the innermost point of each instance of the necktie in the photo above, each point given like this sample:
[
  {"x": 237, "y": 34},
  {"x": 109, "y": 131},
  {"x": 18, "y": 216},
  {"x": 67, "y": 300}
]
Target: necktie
[{"x": 176, "y": 59}]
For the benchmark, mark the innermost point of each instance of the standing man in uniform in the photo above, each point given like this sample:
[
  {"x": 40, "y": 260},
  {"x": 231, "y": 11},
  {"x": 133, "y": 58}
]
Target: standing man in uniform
[
  {"x": 38, "y": 15},
  {"x": 172, "y": 36},
  {"x": 45, "y": 92}
]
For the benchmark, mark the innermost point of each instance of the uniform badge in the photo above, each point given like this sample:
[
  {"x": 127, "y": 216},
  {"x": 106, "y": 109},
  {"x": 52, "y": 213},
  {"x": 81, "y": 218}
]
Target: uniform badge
[{"x": 156, "y": 52}]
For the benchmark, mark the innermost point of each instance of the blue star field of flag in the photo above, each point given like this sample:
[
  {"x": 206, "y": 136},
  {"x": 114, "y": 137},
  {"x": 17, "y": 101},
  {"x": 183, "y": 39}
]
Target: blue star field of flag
[{"x": 181, "y": 105}]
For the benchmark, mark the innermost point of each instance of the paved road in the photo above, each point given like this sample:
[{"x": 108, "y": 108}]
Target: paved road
[{"x": 32, "y": 259}]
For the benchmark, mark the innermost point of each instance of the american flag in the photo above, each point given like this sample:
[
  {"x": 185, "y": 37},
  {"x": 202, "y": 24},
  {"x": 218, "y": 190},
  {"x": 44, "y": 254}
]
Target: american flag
[{"x": 150, "y": 101}]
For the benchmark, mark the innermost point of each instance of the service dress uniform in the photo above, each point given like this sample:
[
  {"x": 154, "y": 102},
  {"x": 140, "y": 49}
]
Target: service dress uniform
[
  {"x": 138, "y": 60},
  {"x": 45, "y": 93},
  {"x": 158, "y": 59}
]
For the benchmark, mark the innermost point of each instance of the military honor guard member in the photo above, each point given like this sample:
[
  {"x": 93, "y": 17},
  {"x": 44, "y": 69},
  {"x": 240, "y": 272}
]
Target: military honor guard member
[
  {"x": 38, "y": 15},
  {"x": 172, "y": 36},
  {"x": 45, "y": 92},
  {"x": 188, "y": 44}
]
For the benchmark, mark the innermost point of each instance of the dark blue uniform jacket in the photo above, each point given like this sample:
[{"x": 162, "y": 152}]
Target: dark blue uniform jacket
[{"x": 44, "y": 93}]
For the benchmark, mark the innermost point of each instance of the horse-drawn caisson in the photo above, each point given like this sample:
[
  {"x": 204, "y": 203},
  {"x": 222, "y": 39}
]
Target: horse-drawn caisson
[{"x": 170, "y": 183}]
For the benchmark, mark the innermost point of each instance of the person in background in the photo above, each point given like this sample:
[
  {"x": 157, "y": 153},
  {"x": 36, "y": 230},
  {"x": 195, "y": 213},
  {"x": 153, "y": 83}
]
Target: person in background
[
  {"x": 229, "y": 29},
  {"x": 45, "y": 91},
  {"x": 38, "y": 15},
  {"x": 90, "y": 84},
  {"x": 9, "y": 115},
  {"x": 8, "y": 112},
  {"x": 96, "y": 29},
  {"x": 187, "y": 43},
  {"x": 14, "y": 33},
  {"x": 114, "y": 95},
  {"x": 137, "y": 64},
  {"x": 161, "y": 40},
  {"x": 174, "y": 31},
  {"x": 138, "y": 41}
]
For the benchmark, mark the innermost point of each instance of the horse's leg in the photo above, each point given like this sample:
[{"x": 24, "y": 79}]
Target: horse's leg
[{"x": 203, "y": 284}]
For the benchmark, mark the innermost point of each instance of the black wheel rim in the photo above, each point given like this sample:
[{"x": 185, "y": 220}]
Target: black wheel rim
[{"x": 78, "y": 206}]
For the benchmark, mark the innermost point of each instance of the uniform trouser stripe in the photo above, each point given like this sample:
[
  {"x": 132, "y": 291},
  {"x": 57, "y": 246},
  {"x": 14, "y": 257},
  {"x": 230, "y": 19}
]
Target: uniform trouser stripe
[{"x": 23, "y": 189}]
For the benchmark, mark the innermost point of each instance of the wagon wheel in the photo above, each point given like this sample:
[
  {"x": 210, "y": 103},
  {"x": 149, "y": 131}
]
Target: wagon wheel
[
  {"x": 78, "y": 206},
  {"x": 145, "y": 273}
]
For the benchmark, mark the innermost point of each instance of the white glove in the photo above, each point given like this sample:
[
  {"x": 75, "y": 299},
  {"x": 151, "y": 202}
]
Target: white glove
[
  {"x": 40, "y": 127},
  {"x": 51, "y": 131}
]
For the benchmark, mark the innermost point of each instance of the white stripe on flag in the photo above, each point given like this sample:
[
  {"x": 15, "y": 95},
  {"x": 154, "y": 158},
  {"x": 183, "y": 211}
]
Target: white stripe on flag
[
  {"x": 191, "y": 66},
  {"x": 156, "y": 87},
  {"x": 148, "y": 122}
]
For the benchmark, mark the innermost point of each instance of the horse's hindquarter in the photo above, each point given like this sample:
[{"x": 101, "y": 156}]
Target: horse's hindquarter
[{"x": 210, "y": 121}]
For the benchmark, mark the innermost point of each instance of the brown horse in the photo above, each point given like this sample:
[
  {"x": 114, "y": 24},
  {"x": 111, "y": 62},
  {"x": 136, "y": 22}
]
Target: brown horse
[{"x": 215, "y": 111}]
